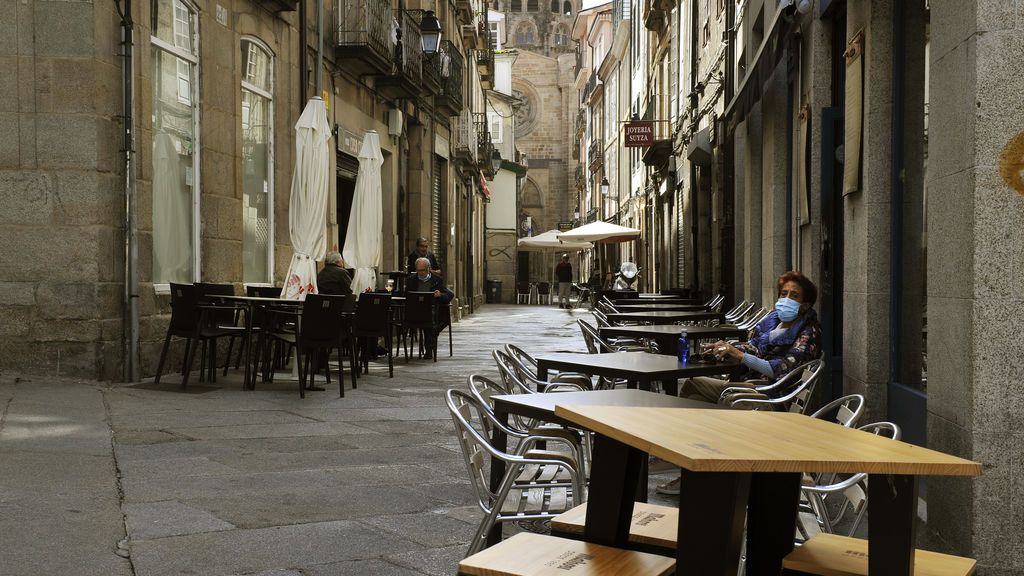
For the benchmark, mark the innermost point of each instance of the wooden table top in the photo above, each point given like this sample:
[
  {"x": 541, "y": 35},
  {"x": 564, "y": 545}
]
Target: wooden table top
[
  {"x": 632, "y": 365},
  {"x": 661, "y": 330},
  {"x": 665, "y": 317},
  {"x": 263, "y": 299},
  {"x": 743, "y": 441},
  {"x": 619, "y": 397},
  {"x": 658, "y": 306}
]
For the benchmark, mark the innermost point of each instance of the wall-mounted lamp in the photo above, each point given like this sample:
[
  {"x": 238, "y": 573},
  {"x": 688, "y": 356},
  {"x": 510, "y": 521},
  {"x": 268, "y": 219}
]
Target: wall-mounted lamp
[
  {"x": 430, "y": 28},
  {"x": 496, "y": 160},
  {"x": 604, "y": 187}
]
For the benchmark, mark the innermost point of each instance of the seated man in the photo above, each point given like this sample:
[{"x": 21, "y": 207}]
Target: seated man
[
  {"x": 334, "y": 279},
  {"x": 424, "y": 281}
]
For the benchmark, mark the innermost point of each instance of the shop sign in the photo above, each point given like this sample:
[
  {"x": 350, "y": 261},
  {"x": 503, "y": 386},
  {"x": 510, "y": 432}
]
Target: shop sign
[
  {"x": 639, "y": 134},
  {"x": 565, "y": 226}
]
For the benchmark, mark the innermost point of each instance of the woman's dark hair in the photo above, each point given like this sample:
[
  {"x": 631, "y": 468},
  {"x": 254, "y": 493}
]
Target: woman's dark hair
[{"x": 810, "y": 291}]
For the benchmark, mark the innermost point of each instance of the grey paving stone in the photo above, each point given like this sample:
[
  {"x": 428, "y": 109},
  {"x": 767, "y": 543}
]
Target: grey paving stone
[
  {"x": 268, "y": 430},
  {"x": 141, "y": 470},
  {"x": 435, "y": 561},
  {"x": 432, "y": 529},
  {"x": 183, "y": 419},
  {"x": 360, "y": 568},
  {"x": 242, "y": 551},
  {"x": 148, "y": 520}
]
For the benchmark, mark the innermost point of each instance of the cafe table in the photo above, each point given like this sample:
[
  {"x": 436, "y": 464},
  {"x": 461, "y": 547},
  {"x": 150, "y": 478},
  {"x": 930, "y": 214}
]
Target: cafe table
[
  {"x": 639, "y": 369},
  {"x": 663, "y": 317},
  {"x": 542, "y": 407},
  {"x": 250, "y": 302},
  {"x": 659, "y": 307},
  {"x": 740, "y": 465},
  {"x": 667, "y": 335}
]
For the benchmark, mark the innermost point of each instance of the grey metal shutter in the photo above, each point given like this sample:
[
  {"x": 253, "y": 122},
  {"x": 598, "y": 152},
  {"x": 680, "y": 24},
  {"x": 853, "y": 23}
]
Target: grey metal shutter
[{"x": 435, "y": 207}]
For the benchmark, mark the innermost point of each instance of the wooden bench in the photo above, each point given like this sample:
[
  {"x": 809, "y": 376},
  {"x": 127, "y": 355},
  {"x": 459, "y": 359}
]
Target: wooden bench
[
  {"x": 832, "y": 555},
  {"x": 529, "y": 554},
  {"x": 654, "y": 527}
]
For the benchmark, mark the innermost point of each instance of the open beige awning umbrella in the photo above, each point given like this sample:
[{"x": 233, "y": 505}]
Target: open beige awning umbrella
[
  {"x": 600, "y": 232},
  {"x": 549, "y": 242}
]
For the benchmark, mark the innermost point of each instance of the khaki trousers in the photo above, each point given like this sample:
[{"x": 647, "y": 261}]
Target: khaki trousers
[{"x": 710, "y": 389}]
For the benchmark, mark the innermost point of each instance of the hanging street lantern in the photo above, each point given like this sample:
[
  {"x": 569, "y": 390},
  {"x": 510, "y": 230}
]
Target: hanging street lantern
[{"x": 430, "y": 29}]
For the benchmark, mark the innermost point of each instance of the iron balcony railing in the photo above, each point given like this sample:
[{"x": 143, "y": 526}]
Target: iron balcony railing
[
  {"x": 411, "y": 57},
  {"x": 581, "y": 122},
  {"x": 591, "y": 85},
  {"x": 364, "y": 29},
  {"x": 485, "y": 148},
  {"x": 452, "y": 66},
  {"x": 579, "y": 61},
  {"x": 580, "y": 181},
  {"x": 591, "y": 215},
  {"x": 466, "y": 142},
  {"x": 596, "y": 152}
]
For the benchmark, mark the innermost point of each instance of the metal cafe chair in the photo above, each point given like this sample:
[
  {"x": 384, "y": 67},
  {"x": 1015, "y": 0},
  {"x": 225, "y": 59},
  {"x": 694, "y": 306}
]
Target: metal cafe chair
[
  {"x": 192, "y": 320},
  {"x": 791, "y": 393},
  {"x": 524, "y": 291},
  {"x": 853, "y": 490},
  {"x": 323, "y": 326},
  {"x": 537, "y": 484},
  {"x": 424, "y": 313},
  {"x": 372, "y": 321}
]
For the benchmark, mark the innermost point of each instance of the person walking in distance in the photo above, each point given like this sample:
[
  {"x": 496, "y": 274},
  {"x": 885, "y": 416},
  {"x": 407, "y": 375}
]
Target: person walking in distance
[{"x": 563, "y": 272}]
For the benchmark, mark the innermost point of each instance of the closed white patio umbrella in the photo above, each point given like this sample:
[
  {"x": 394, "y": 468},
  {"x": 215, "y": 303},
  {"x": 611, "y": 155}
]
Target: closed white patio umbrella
[
  {"x": 307, "y": 206},
  {"x": 600, "y": 232},
  {"x": 548, "y": 242},
  {"x": 363, "y": 239}
]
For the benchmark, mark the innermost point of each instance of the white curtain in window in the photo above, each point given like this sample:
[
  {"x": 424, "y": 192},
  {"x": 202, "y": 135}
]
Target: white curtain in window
[
  {"x": 365, "y": 225},
  {"x": 172, "y": 209},
  {"x": 307, "y": 208}
]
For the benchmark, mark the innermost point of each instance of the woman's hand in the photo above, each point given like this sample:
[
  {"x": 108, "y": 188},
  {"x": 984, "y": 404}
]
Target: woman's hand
[{"x": 725, "y": 350}]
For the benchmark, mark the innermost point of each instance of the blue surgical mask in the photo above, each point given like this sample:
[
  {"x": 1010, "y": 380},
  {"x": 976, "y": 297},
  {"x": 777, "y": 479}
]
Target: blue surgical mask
[{"x": 787, "y": 309}]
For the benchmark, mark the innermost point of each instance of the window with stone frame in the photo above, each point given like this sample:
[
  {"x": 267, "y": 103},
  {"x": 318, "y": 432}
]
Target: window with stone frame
[
  {"x": 532, "y": 6},
  {"x": 175, "y": 128},
  {"x": 257, "y": 94}
]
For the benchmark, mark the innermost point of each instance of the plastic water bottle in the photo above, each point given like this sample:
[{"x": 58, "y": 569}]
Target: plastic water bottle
[{"x": 683, "y": 348}]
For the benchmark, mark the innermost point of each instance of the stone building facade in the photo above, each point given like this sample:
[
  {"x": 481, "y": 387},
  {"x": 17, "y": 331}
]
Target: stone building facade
[
  {"x": 539, "y": 31},
  {"x": 875, "y": 146},
  {"x": 217, "y": 90}
]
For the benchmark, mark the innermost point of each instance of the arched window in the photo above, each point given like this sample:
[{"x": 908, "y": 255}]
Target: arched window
[
  {"x": 175, "y": 60},
  {"x": 257, "y": 161},
  {"x": 532, "y": 5},
  {"x": 567, "y": 8},
  {"x": 517, "y": 6},
  {"x": 561, "y": 36},
  {"x": 554, "y": 6},
  {"x": 524, "y": 34}
]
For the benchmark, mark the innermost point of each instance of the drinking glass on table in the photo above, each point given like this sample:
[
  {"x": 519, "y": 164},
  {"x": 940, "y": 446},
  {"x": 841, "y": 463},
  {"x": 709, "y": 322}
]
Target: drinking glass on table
[{"x": 389, "y": 285}]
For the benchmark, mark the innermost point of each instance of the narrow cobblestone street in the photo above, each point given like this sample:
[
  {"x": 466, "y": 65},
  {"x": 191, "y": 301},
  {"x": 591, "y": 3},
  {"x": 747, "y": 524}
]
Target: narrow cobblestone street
[{"x": 216, "y": 481}]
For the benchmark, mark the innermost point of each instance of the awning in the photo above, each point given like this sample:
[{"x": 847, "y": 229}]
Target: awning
[
  {"x": 765, "y": 61},
  {"x": 658, "y": 154}
]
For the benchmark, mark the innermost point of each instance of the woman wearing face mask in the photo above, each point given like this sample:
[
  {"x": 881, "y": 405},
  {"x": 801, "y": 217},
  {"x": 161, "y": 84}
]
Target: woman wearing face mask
[{"x": 787, "y": 337}]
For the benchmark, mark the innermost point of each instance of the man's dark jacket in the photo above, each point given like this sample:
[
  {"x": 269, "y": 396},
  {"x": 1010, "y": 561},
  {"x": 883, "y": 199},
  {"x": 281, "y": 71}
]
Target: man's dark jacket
[
  {"x": 334, "y": 280},
  {"x": 412, "y": 284},
  {"x": 411, "y": 261}
]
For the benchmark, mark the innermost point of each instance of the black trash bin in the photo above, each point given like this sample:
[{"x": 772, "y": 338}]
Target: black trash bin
[{"x": 494, "y": 291}]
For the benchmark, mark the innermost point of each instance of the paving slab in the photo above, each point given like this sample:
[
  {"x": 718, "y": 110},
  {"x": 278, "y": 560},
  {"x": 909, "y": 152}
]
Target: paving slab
[
  {"x": 277, "y": 547},
  {"x": 227, "y": 482},
  {"x": 149, "y": 520}
]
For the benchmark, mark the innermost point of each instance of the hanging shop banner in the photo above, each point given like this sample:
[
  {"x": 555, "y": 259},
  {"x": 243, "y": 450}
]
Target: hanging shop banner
[
  {"x": 853, "y": 123},
  {"x": 639, "y": 134}
]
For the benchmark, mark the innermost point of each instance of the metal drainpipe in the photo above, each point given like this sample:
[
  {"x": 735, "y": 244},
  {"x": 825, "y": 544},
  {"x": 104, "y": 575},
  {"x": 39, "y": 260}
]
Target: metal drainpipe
[
  {"x": 694, "y": 192},
  {"x": 303, "y": 75},
  {"x": 319, "y": 46},
  {"x": 131, "y": 246},
  {"x": 896, "y": 184}
]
